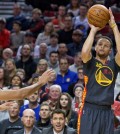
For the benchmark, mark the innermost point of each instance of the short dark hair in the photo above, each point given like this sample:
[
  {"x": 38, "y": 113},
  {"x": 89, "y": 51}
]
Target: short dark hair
[
  {"x": 80, "y": 68},
  {"x": 106, "y": 37},
  {"x": 18, "y": 23},
  {"x": 25, "y": 45},
  {"x": 45, "y": 104},
  {"x": 53, "y": 52},
  {"x": 54, "y": 35},
  {"x": 58, "y": 111},
  {"x": 64, "y": 58}
]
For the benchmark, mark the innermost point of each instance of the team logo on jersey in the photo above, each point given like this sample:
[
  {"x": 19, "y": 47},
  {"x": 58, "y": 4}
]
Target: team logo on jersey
[{"x": 104, "y": 76}]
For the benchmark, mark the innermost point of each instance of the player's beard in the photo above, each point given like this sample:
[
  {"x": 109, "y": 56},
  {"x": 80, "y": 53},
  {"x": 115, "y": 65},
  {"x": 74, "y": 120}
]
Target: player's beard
[{"x": 102, "y": 56}]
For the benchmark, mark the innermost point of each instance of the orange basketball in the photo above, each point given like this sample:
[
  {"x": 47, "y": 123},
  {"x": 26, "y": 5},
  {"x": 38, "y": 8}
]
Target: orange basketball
[{"x": 98, "y": 15}]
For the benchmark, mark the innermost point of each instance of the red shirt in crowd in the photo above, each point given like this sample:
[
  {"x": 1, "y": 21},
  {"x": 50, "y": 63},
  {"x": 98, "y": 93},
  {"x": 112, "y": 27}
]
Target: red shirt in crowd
[{"x": 4, "y": 38}]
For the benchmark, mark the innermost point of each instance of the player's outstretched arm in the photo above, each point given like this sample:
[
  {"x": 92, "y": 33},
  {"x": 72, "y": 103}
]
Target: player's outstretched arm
[
  {"x": 116, "y": 32},
  {"x": 25, "y": 92},
  {"x": 86, "y": 50}
]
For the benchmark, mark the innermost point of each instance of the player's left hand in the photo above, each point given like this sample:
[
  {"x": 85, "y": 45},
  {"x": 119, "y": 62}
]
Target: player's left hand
[
  {"x": 46, "y": 76},
  {"x": 112, "y": 19}
]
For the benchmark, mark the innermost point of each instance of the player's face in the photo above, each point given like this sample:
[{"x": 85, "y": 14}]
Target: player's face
[{"x": 103, "y": 48}]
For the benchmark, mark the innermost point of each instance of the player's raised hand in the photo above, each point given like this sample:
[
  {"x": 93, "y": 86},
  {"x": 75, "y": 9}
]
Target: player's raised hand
[
  {"x": 93, "y": 28},
  {"x": 112, "y": 22},
  {"x": 6, "y": 105},
  {"x": 46, "y": 76}
]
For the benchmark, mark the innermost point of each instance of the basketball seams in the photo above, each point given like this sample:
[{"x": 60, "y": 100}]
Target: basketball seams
[
  {"x": 98, "y": 15},
  {"x": 105, "y": 10}
]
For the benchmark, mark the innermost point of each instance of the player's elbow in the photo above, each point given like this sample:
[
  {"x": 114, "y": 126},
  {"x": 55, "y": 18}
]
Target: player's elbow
[{"x": 83, "y": 55}]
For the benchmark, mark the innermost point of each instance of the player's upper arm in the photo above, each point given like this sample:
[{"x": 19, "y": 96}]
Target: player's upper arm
[{"x": 86, "y": 57}]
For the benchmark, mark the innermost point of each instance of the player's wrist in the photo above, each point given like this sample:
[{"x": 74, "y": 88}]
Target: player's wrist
[
  {"x": 113, "y": 25},
  {"x": 93, "y": 30}
]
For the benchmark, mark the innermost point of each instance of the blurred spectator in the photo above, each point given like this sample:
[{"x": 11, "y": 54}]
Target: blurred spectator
[
  {"x": 21, "y": 73},
  {"x": 17, "y": 16},
  {"x": 13, "y": 124},
  {"x": 40, "y": 52},
  {"x": 65, "y": 77},
  {"x": 53, "y": 45},
  {"x": 65, "y": 35},
  {"x": 58, "y": 117},
  {"x": 56, "y": 25},
  {"x": 10, "y": 69},
  {"x": 65, "y": 103},
  {"x": 6, "y": 54},
  {"x": 81, "y": 21},
  {"x": 4, "y": 35},
  {"x": 90, "y": 3},
  {"x": 28, "y": 120},
  {"x": 77, "y": 62},
  {"x": 42, "y": 66},
  {"x": 44, "y": 37},
  {"x": 60, "y": 17},
  {"x": 79, "y": 81},
  {"x": 77, "y": 100},
  {"x": 28, "y": 39},
  {"x": 15, "y": 83},
  {"x": 53, "y": 61},
  {"x": 26, "y": 62},
  {"x": 62, "y": 50},
  {"x": 17, "y": 37},
  {"x": 77, "y": 43},
  {"x": 36, "y": 23},
  {"x": 44, "y": 113},
  {"x": 73, "y": 7},
  {"x": 54, "y": 94},
  {"x": 33, "y": 104}
]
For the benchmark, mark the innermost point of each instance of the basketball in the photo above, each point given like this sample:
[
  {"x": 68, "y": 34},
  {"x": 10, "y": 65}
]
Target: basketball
[{"x": 98, "y": 15}]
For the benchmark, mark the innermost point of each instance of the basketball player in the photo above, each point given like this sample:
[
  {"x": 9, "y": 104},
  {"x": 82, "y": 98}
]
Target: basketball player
[
  {"x": 25, "y": 92},
  {"x": 97, "y": 116}
]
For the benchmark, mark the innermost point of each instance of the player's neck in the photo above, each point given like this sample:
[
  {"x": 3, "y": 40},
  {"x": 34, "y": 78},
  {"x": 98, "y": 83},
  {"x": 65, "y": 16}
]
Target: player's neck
[{"x": 102, "y": 60}]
